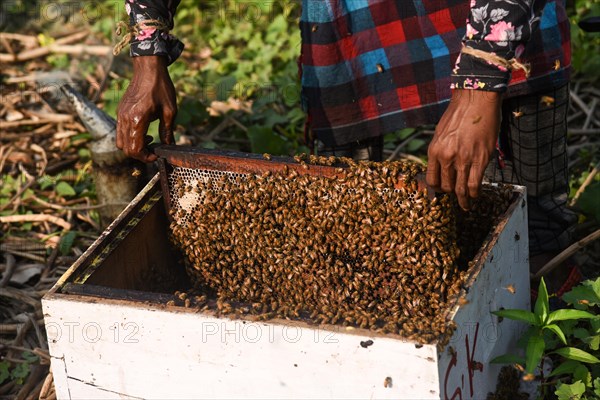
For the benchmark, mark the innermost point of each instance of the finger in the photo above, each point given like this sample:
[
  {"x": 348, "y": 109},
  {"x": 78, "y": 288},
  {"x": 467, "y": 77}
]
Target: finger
[
  {"x": 121, "y": 131},
  {"x": 165, "y": 127},
  {"x": 475, "y": 178},
  {"x": 461, "y": 187},
  {"x": 432, "y": 176},
  {"x": 135, "y": 145},
  {"x": 146, "y": 156},
  {"x": 448, "y": 178}
]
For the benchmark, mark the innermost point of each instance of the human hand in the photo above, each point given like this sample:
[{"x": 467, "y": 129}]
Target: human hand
[
  {"x": 150, "y": 96},
  {"x": 463, "y": 143}
]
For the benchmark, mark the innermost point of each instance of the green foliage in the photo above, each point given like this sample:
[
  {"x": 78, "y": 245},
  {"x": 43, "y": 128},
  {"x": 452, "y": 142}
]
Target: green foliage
[
  {"x": 570, "y": 336},
  {"x": 66, "y": 242},
  {"x": 585, "y": 45},
  {"x": 17, "y": 372},
  {"x": 588, "y": 201},
  {"x": 584, "y": 296},
  {"x": 570, "y": 392},
  {"x": 64, "y": 189},
  {"x": 252, "y": 57}
]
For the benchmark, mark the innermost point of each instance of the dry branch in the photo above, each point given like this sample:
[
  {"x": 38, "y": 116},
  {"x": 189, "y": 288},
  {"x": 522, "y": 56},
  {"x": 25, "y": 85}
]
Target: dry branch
[
  {"x": 565, "y": 254},
  {"x": 36, "y": 218},
  {"x": 25, "y": 122},
  {"x": 586, "y": 183}
]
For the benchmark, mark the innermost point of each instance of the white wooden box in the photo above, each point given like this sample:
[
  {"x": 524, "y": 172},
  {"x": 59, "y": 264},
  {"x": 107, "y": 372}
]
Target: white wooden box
[{"x": 111, "y": 334}]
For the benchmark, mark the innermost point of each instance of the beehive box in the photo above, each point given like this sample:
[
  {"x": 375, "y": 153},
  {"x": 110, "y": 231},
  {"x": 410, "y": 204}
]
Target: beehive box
[{"x": 111, "y": 333}]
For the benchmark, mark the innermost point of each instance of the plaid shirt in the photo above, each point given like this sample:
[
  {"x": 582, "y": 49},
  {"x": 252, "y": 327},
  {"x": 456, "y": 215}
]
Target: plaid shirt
[{"x": 371, "y": 67}]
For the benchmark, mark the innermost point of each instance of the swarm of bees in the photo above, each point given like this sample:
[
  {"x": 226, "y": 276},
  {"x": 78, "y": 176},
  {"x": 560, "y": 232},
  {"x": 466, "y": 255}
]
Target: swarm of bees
[{"x": 351, "y": 250}]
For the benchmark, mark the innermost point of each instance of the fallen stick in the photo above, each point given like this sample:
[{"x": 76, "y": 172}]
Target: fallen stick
[
  {"x": 42, "y": 51},
  {"x": 36, "y": 218},
  {"x": 566, "y": 253},
  {"x": 11, "y": 263},
  {"x": 47, "y": 386},
  {"x": 584, "y": 131},
  {"x": 590, "y": 116},
  {"x": 585, "y": 183},
  {"x": 28, "y": 256},
  {"x": 27, "y": 40},
  {"x": 23, "y": 122},
  {"x": 54, "y": 117},
  {"x": 55, "y": 48}
]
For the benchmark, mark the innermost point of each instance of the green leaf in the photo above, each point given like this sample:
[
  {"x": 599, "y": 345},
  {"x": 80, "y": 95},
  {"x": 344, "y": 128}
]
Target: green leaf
[
  {"x": 582, "y": 294},
  {"x": 595, "y": 286},
  {"x": 518, "y": 315},
  {"x": 64, "y": 189},
  {"x": 581, "y": 333},
  {"x": 415, "y": 145},
  {"x": 566, "y": 368},
  {"x": 570, "y": 392},
  {"x": 597, "y": 387},
  {"x": 4, "y": 374},
  {"x": 568, "y": 326},
  {"x": 29, "y": 357},
  {"x": 534, "y": 352},
  {"x": 582, "y": 374},
  {"x": 20, "y": 371},
  {"x": 405, "y": 133},
  {"x": 561, "y": 315},
  {"x": 508, "y": 359},
  {"x": 576, "y": 354},
  {"x": 66, "y": 243},
  {"x": 588, "y": 201},
  {"x": 593, "y": 342},
  {"x": 541, "y": 304},
  {"x": 595, "y": 323},
  {"x": 557, "y": 331},
  {"x": 264, "y": 140}
]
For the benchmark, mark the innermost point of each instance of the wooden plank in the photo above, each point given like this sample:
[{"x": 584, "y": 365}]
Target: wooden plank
[
  {"x": 104, "y": 292},
  {"x": 250, "y": 163},
  {"x": 153, "y": 353},
  {"x": 479, "y": 336},
  {"x": 144, "y": 258}
]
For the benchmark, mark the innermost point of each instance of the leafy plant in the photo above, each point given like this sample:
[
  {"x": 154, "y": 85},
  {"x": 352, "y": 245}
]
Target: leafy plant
[
  {"x": 585, "y": 45},
  {"x": 569, "y": 336},
  {"x": 17, "y": 373}
]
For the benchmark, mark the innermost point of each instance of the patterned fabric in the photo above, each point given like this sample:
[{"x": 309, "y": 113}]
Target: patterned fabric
[
  {"x": 150, "y": 41},
  {"x": 533, "y": 141},
  {"x": 371, "y": 67}
]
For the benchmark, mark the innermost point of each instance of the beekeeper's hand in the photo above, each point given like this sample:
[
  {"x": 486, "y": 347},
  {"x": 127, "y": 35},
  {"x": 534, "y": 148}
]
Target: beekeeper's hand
[
  {"x": 463, "y": 143},
  {"x": 150, "y": 96}
]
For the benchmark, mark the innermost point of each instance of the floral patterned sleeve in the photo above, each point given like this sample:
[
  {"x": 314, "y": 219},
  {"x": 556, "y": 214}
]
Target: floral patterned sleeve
[
  {"x": 500, "y": 27},
  {"x": 151, "y": 41}
]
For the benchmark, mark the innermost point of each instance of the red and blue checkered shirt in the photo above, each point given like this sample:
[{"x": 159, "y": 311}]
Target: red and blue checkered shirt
[{"x": 372, "y": 67}]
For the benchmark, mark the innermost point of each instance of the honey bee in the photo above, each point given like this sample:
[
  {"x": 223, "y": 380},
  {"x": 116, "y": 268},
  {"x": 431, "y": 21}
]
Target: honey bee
[
  {"x": 476, "y": 119},
  {"x": 547, "y": 100},
  {"x": 528, "y": 377},
  {"x": 518, "y": 114},
  {"x": 387, "y": 383},
  {"x": 511, "y": 289},
  {"x": 462, "y": 301}
]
